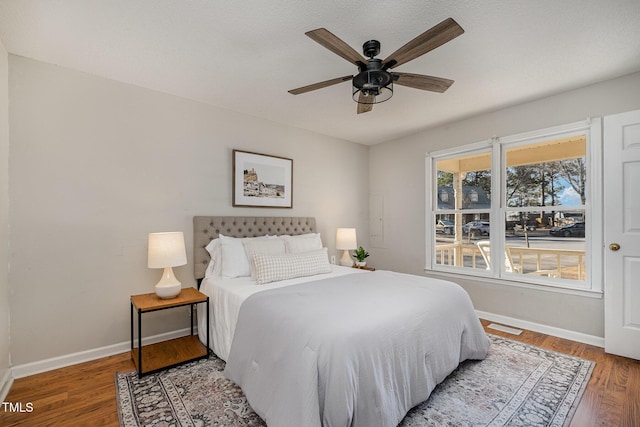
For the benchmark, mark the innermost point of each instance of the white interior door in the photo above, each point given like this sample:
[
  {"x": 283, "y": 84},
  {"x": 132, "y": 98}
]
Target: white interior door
[{"x": 622, "y": 234}]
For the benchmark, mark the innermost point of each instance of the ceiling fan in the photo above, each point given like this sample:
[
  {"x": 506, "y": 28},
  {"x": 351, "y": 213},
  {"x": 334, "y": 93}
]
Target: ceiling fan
[{"x": 374, "y": 82}]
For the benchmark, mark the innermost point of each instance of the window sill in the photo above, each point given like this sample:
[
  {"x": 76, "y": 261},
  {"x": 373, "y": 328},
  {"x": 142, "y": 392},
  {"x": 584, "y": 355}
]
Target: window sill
[{"x": 557, "y": 288}]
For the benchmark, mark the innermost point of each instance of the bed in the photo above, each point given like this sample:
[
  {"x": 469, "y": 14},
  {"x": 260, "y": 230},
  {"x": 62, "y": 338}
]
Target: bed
[{"x": 315, "y": 344}]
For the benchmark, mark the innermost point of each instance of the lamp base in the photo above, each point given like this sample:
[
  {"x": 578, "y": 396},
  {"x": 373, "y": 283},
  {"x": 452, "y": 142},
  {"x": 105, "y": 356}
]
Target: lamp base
[
  {"x": 346, "y": 260},
  {"x": 168, "y": 286}
]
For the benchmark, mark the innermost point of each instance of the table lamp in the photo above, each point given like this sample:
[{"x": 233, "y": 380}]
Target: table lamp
[
  {"x": 166, "y": 250},
  {"x": 346, "y": 240}
]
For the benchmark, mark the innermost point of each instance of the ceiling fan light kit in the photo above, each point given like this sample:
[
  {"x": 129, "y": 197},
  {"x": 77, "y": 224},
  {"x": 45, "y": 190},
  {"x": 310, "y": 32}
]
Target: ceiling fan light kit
[
  {"x": 371, "y": 92},
  {"x": 373, "y": 85},
  {"x": 374, "y": 82}
]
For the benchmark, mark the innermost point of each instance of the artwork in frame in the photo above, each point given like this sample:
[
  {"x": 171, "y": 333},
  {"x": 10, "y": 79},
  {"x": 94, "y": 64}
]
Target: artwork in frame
[{"x": 262, "y": 180}]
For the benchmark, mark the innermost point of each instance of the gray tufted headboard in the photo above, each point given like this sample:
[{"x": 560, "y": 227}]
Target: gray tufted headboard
[{"x": 207, "y": 228}]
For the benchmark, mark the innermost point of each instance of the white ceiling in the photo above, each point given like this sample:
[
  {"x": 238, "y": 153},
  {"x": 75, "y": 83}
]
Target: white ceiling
[{"x": 245, "y": 55}]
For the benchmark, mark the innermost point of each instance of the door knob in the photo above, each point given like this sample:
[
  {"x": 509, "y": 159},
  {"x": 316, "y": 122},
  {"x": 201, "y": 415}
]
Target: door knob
[{"x": 614, "y": 246}]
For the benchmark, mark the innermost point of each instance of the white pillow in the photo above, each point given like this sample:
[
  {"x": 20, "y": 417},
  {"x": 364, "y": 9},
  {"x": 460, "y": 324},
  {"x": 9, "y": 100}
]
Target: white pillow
[
  {"x": 215, "y": 264},
  {"x": 302, "y": 243},
  {"x": 271, "y": 268},
  {"x": 234, "y": 258},
  {"x": 274, "y": 245}
]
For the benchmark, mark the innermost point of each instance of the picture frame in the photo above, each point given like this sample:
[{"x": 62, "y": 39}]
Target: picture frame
[{"x": 262, "y": 180}]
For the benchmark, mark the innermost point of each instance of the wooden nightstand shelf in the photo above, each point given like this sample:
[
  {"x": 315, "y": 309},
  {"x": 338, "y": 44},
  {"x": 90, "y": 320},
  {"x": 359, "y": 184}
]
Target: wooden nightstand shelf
[
  {"x": 366, "y": 267},
  {"x": 172, "y": 352}
]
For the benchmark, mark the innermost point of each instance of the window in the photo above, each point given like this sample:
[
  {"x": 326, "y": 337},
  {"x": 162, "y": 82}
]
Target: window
[{"x": 524, "y": 200}]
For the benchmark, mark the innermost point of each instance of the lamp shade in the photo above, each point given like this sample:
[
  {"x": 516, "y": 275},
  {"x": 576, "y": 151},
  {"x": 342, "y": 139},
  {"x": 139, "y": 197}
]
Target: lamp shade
[
  {"x": 346, "y": 239},
  {"x": 166, "y": 250}
]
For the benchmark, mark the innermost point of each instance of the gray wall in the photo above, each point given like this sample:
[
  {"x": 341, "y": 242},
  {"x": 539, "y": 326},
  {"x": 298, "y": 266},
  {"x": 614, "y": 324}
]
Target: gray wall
[
  {"x": 4, "y": 217},
  {"x": 397, "y": 176},
  {"x": 96, "y": 165}
]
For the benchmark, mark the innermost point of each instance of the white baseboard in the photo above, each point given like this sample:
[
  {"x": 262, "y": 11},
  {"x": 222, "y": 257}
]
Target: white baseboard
[
  {"x": 20, "y": 371},
  {"x": 5, "y": 384},
  {"x": 543, "y": 329}
]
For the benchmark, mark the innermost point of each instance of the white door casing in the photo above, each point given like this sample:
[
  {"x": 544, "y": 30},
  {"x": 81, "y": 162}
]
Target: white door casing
[{"x": 622, "y": 234}]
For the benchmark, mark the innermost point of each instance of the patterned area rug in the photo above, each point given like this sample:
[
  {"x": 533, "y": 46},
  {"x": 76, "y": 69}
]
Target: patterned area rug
[{"x": 516, "y": 385}]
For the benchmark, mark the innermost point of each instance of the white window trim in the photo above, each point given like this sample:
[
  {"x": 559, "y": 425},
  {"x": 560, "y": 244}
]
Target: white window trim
[{"x": 593, "y": 285}]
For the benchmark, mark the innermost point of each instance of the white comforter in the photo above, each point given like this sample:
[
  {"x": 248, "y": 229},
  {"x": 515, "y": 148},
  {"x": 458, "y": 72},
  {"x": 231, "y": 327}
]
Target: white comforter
[
  {"x": 356, "y": 350},
  {"x": 227, "y": 295}
]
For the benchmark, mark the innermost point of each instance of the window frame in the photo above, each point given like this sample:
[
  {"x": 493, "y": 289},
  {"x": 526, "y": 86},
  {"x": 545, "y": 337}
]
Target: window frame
[{"x": 592, "y": 131}]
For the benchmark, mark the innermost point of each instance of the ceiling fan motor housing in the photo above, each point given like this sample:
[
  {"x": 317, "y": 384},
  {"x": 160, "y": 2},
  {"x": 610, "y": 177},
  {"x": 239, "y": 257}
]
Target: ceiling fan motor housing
[{"x": 372, "y": 82}]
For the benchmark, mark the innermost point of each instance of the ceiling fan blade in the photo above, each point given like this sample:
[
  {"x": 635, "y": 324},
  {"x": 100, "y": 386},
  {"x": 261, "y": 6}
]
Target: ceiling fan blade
[
  {"x": 365, "y": 108},
  {"x": 319, "y": 85},
  {"x": 329, "y": 40},
  {"x": 436, "y": 36},
  {"x": 419, "y": 81}
]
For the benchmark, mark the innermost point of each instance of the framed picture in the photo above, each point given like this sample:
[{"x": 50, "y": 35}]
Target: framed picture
[{"x": 261, "y": 180}]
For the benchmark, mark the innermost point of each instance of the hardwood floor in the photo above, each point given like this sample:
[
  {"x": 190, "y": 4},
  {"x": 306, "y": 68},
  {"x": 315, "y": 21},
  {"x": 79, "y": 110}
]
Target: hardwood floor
[
  {"x": 84, "y": 395},
  {"x": 79, "y": 395}
]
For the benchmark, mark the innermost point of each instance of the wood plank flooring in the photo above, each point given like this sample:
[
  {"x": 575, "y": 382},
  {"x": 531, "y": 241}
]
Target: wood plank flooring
[{"x": 84, "y": 394}]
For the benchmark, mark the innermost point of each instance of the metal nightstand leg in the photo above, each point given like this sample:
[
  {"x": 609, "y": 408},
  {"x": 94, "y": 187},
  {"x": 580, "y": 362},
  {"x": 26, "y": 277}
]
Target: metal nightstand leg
[{"x": 139, "y": 343}]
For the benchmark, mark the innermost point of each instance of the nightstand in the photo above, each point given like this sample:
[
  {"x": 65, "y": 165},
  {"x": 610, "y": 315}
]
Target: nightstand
[
  {"x": 364, "y": 268},
  {"x": 171, "y": 352}
]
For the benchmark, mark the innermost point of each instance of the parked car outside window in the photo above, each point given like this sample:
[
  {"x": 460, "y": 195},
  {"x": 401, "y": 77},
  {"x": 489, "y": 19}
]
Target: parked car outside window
[
  {"x": 445, "y": 227},
  {"x": 477, "y": 227},
  {"x": 570, "y": 230}
]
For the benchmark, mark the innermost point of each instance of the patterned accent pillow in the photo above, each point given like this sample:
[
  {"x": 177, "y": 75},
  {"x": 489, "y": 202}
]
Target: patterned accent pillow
[{"x": 272, "y": 268}]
